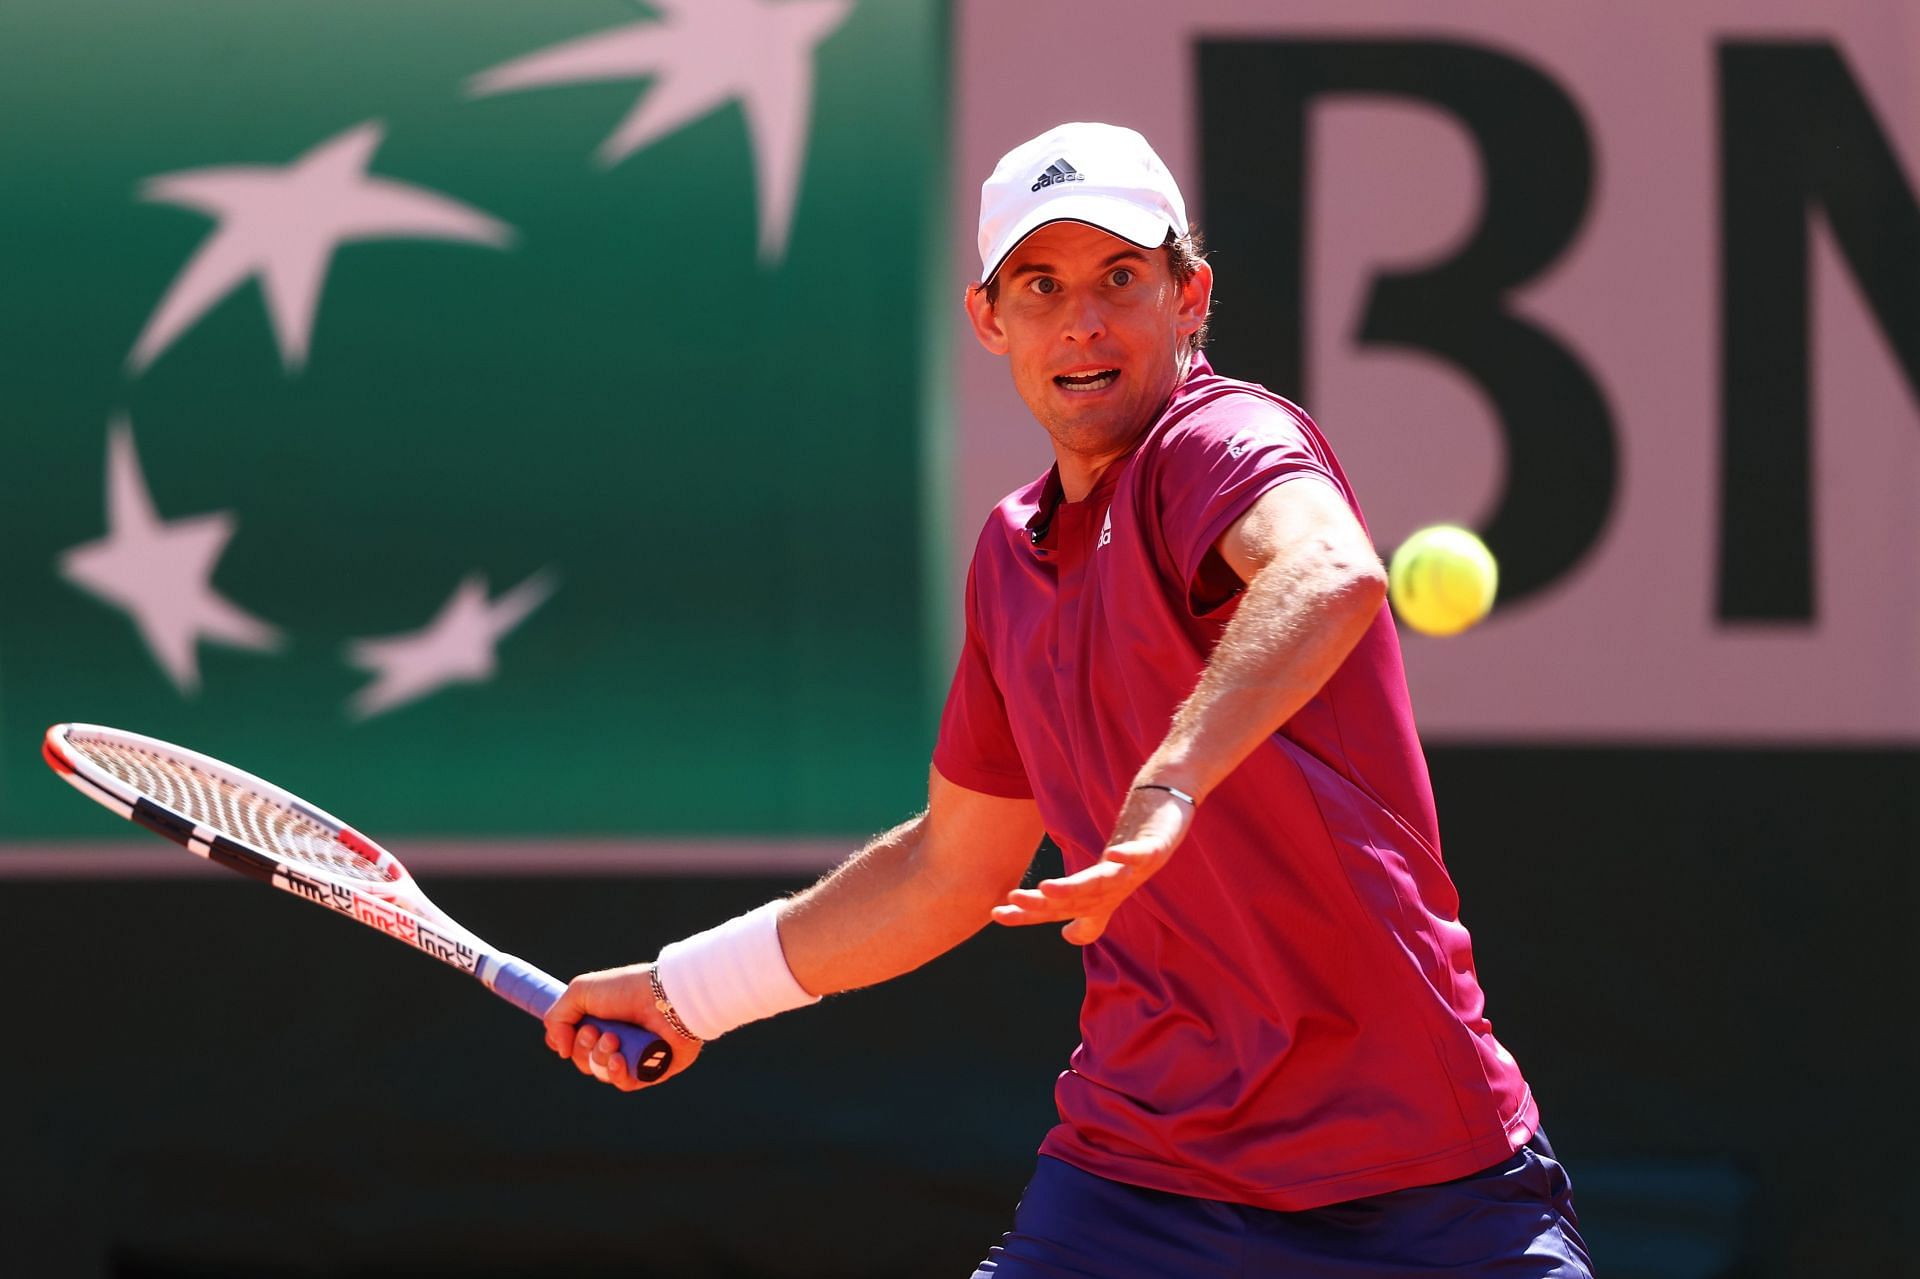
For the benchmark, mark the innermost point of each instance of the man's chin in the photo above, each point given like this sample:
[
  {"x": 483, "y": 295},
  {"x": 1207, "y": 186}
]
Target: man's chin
[{"x": 1094, "y": 432}]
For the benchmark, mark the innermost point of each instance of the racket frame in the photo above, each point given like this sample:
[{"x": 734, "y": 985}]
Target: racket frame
[{"x": 394, "y": 904}]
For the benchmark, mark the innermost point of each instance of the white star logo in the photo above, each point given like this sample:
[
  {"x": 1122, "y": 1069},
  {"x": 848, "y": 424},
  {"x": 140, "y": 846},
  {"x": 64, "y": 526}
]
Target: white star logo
[
  {"x": 283, "y": 223},
  {"x": 702, "y": 55},
  {"x": 456, "y": 647},
  {"x": 161, "y": 571}
]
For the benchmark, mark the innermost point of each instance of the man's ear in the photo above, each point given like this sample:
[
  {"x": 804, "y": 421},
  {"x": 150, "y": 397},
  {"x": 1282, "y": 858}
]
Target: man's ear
[
  {"x": 986, "y": 325},
  {"x": 1196, "y": 296}
]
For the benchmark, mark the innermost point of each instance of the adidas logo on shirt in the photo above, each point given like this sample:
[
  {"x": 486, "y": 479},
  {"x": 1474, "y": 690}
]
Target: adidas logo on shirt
[
  {"x": 1057, "y": 172},
  {"x": 1106, "y": 529}
]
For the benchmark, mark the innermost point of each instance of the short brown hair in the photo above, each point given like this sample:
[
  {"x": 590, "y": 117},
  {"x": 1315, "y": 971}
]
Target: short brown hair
[{"x": 1185, "y": 253}]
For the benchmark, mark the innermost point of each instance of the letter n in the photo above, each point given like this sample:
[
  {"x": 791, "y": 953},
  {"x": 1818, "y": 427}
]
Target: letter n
[{"x": 1796, "y": 135}]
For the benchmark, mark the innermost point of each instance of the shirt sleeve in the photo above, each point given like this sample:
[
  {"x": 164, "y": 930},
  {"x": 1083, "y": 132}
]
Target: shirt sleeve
[
  {"x": 976, "y": 747},
  {"x": 1218, "y": 461}
]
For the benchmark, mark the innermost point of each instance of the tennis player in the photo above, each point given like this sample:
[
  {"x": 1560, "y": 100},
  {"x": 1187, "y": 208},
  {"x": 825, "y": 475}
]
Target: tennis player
[{"x": 1178, "y": 661}]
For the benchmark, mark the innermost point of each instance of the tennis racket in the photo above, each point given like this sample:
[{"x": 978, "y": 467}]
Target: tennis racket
[{"x": 245, "y": 824}]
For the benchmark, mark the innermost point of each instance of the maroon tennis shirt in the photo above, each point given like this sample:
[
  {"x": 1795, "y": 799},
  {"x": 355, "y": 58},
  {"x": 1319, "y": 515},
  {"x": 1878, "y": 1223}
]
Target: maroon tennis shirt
[{"x": 1287, "y": 1015}]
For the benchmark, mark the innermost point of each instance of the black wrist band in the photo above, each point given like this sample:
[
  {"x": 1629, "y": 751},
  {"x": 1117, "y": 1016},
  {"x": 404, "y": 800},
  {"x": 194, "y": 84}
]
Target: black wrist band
[{"x": 1174, "y": 791}]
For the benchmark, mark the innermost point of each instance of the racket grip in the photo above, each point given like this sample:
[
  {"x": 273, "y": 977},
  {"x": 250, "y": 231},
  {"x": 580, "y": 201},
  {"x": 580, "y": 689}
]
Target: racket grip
[{"x": 531, "y": 990}]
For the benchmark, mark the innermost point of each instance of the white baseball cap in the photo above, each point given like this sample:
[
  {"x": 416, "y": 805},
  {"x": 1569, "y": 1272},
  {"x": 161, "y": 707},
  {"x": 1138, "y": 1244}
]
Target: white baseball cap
[{"x": 1099, "y": 174}]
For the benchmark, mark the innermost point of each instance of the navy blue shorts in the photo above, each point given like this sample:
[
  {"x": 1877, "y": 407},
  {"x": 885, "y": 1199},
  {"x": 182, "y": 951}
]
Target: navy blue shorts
[{"x": 1514, "y": 1220}]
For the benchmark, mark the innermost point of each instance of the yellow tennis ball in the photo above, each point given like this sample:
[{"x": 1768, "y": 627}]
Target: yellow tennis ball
[{"x": 1442, "y": 580}]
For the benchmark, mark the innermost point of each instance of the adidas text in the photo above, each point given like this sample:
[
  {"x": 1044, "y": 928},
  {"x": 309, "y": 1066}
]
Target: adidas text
[{"x": 1058, "y": 171}]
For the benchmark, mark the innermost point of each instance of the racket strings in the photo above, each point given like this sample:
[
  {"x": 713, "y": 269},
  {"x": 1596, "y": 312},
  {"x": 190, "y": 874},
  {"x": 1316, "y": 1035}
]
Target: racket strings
[{"x": 208, "y": 799}]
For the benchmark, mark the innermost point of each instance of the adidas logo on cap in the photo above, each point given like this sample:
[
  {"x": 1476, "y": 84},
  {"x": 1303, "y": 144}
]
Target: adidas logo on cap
[{"x": 1057, "y": 172}]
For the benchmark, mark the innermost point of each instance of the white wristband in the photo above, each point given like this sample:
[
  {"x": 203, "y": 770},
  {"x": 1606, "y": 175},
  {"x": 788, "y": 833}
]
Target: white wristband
[{"x": 731, "y": 975}]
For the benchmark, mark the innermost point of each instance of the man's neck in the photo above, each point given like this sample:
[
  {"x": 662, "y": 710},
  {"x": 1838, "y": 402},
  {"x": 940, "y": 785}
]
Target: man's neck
[{"x": 1080, "y": 474}]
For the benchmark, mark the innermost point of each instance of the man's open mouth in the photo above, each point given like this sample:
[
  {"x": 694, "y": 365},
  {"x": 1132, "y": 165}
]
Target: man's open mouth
[{"x": 1092, "y": 380}]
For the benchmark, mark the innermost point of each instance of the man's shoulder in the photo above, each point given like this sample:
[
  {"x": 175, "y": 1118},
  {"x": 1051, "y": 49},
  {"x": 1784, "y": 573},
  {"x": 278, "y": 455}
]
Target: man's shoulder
[
  {"x": 1221, "y": 435},
  {"x": 1214, "y": 422},
  {"x": 1208, "y": 404}
]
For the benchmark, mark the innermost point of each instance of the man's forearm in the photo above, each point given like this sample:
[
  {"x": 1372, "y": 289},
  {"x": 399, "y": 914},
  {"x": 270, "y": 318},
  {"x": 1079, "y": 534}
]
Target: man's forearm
[
  {"x": 885, "y": 911},
  {"x": 1296, "y": 622}
]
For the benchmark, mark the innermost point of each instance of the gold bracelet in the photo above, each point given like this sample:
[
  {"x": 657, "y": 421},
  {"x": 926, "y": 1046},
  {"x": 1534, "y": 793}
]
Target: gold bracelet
[{"x": 664, "y": 1007}]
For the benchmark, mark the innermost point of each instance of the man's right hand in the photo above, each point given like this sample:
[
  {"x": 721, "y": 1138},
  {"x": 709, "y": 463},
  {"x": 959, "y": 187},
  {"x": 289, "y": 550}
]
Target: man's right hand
[{"x": 615, "y": 994}]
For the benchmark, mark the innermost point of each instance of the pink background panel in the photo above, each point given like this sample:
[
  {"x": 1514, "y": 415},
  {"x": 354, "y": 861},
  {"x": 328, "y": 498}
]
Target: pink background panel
[{"x": 1625, "y": 648}]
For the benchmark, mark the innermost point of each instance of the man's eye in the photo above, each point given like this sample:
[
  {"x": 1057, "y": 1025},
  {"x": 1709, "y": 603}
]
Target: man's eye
[
  {"x": 1042, "y": 284},
  {"x": 1121, "y": 277}
]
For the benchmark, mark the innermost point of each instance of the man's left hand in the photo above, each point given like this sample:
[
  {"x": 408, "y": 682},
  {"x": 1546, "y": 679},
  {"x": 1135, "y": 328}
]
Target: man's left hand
[{"x": 1151, "y": 826}]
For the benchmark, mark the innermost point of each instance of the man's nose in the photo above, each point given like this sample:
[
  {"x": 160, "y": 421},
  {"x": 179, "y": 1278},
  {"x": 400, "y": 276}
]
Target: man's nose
[{"x": 1085, "y": 320}]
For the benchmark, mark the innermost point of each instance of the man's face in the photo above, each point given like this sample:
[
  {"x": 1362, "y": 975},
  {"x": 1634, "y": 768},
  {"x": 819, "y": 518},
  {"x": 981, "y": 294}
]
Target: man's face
[{"x": 1096, "y": 330}]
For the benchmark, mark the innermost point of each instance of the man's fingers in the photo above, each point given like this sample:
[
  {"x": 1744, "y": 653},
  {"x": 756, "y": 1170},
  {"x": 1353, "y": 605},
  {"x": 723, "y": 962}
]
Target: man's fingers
[
  {"x": 1099, "y": 877},
  {"x": 584, "y": 1041},
  {"x": 1062, "y": 899},
  {"x": 562, "y": 1018},
  {"x": 1087, "y": 897},
  {"x": 1018, "y": 915},
  {"x": 605, "y": 1059},
  {"x": 1098, "y": 880},
  {"x": 1086, "y": 930},
  {"x": 1088, "y": 907},
  {"x": 598, "y": 1054},
  {"x": 1041, "y": 913}
]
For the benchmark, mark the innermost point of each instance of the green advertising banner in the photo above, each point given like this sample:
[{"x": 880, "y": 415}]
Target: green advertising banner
[{"x": 484, "y": 418}]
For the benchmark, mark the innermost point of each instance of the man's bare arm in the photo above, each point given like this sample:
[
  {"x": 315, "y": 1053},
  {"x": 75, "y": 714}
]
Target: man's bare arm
[
  {"x": 912, "y": 894},
  {"x": 1313, "y": 586}
]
